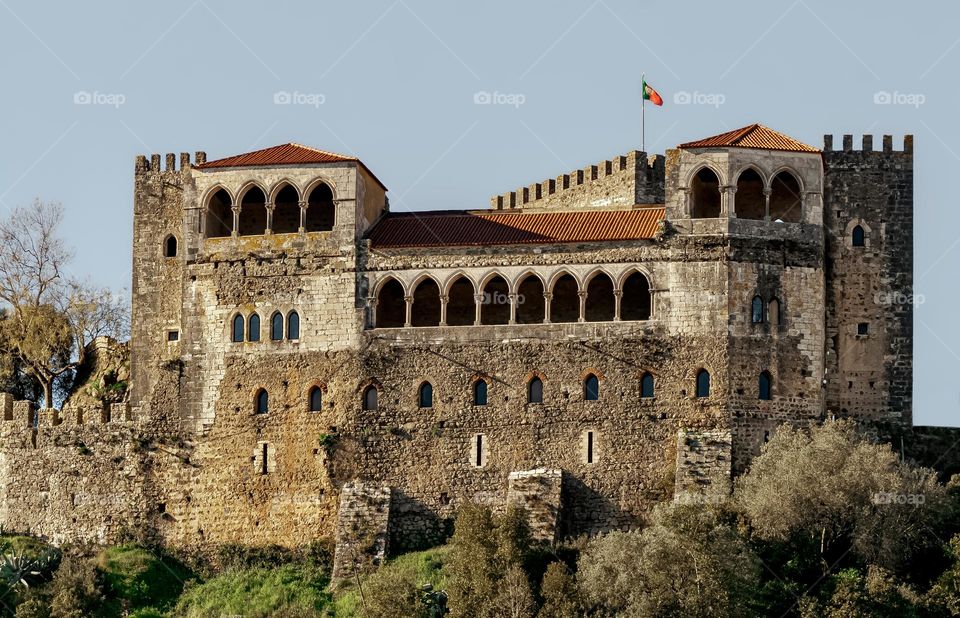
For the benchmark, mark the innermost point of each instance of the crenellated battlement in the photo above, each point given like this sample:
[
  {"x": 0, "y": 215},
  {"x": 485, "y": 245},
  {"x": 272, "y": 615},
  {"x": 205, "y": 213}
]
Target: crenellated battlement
[
  {"x": 143, "y": 165},
  {"x": 633, "y": 178},
  {"x": 25, "y": 413},
  {"x": 866, "y": 144}
]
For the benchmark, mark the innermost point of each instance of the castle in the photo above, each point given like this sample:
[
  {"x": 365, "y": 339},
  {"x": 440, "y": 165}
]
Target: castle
[{"x": 307, "y": 363}]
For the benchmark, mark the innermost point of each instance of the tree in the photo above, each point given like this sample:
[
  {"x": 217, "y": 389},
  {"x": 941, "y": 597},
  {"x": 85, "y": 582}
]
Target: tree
[
  {"x": 841, "y": 491},
  {"x": 50, "y": 318},
  {"x": 690, "y": 561},
  {"x": 559, "y": 591}
]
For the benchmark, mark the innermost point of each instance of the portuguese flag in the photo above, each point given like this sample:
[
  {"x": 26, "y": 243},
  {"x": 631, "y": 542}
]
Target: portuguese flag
[{"x": 651, "y": 95}]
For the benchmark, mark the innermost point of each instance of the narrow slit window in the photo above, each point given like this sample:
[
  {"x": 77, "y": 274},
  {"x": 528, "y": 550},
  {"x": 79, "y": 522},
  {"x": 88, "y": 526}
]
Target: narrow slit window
[
  {"x": 764, "y": 386},
  {"x": 264, "y": 458},
  {"x": 703, "y": 383},
  {"x": 756, "y": 310},
  {"x": 480, "y": 393},
  {"x": 589, "y": 447},
  {"x": 262, "y": 402},
  {"x": 316, "y": 399},
  {"x": 478, "y": 461}
]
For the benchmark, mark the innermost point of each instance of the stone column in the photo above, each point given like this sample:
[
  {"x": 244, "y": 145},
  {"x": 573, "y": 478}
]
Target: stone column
[
  {"x": 303, "y": 217},
  {"x": 583, "y": 305},
  {"x": 617, "y": 298},
  {"x": 513, "y": 308},
  {"x": 407, "y": 321},
  {"x": 444, "y": 299},
  {"x": 727, "y": 201},
  {"x": 269, "y": 206},
  {"x": 547, "y": 297},
  {"x": 478, "y": 304},
  {"x": 766, "y": 204},
  {"x": 371, "y": 312},
  {"x": 236, "y": 221}
]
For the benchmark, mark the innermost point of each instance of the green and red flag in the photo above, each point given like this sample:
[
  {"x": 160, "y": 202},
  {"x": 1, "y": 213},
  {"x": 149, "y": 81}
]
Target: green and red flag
[{"x": 651, "y": 95}]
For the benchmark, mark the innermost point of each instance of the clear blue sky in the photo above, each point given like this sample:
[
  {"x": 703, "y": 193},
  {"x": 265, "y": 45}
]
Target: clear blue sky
[{"x": 395, "y": 83}]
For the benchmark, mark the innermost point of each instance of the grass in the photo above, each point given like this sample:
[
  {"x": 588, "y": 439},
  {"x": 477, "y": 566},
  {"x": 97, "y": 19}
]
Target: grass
[
  {"x": 257, "y": 593},
  {"x": 25, "y": 546},
  {"x": 144, "y": 580},
  {"x": 427, "y": 565}
]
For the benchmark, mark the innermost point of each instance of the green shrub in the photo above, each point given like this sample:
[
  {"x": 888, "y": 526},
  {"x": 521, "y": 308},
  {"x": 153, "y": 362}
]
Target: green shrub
[
  {"x": 75, "y": 591},
  {"x": 257, "y": 593},
  {"x": 139, "y": 578}
]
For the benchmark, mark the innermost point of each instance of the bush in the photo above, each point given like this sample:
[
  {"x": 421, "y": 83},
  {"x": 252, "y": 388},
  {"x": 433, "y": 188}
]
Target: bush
[
  {"x": 138, "y": 578},
  {"x": 76, "y": 590},
  {"x": 418, "y": 578},
  {"x": 559, "y": 591},
  {"x": 287, "y": 590},
  {"x": 690, "y": 561}
]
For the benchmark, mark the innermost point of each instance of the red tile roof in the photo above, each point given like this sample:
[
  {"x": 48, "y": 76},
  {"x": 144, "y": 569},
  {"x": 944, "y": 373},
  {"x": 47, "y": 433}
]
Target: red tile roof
[
  {"x": 464, "y": 228},
  {"x": 284, "y": 154},
  {"x": 753, "y": 136}
]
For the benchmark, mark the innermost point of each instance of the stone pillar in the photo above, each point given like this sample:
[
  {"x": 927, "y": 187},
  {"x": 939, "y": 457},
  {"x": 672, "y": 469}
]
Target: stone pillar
[
  {"x": 407, "y": 322},
  {"x": 444, "y": 299},
  {"x": 513, "y": 308},
  {"x": 303, "y": 218},
  {"x": 371, "y": 312},
  {"x": 478, "y": 305},
  {"x": 547, "y": 297},
  {"x": 6, "y": 400},
  {"x": 727, "y": 201},
  {"x": 538, "y": 493},
  {"x": 236, "y": 221},
  {"x": 583, "y": 306},
  {"x": 361, "y": 532},
  {"x": 269, "y": 206},
  {"x": 617, "y": 298},
  {"x": 766, "y": 201}
]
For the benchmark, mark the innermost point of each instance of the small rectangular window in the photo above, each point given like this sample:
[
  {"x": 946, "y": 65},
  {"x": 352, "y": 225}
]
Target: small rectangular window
[
  {"x": 264, "y": 463},
  {"x": 589, "y": 447},
  {"x": 478, "y": 457},
  {"x": 173, "y": 335},
  {"x": 863, "y": 328}
]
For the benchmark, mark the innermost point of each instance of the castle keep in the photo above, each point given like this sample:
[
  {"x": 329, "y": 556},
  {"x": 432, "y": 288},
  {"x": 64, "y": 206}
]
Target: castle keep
[{"x": 307, "y": 363}]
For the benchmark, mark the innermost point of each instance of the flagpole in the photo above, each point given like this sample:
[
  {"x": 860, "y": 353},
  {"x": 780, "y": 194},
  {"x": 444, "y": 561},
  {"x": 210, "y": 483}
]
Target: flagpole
[{"x": 643, "y": 116}]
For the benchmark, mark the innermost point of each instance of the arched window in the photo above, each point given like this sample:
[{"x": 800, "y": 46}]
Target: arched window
[
  {"x": 535, "y": 390},
  {"x": 426, "y": 304},
  {"x": 749, "y": 201},
  {"x": 461, "y": 306},
  {"x": 320, "y": 209},
  {"x": 530, "y": 301},
  {"x": 703, "y": 383},
  {"x": 391, "y": 306},
  {"x": 600, "y": 304},
  {"x": 480, "y": 393},
  {"x": 293, "y": 325},
  {"x": 859, "y": 237},
  {"x": 286, "y": 211},
  {"x": 262, "y": 402},
  {"x": 237, "y": 330},
  {"x": 591, "y": 388},
  {"x": 646, "y": 386},
  {"x": 218, "y": 221},
  {"x": 253, "y": 213},
  {"x": 276, "y": 326},
  {"x": 565, "y": 301},
  {"x": 496, "y": 302},
  {"x": 253, "y": 328},
  {"x": 786, "y": 203},
  {"x": 425, "y": 396},
  {"x": 170, "y": 247},
  {"x": 316, "y": 399},
  {"x": 756, "y": 310},
  {"x": 773, "y": 312},
  {"x": 635, "y": 301},
  {"x": 705, "y": 193},
  {"x": 370, "y": 398},
  {"x": 765, "y": 385}
]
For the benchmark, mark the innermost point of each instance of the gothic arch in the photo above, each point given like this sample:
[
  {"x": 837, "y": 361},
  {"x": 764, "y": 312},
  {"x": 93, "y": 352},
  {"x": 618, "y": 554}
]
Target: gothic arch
[
  {"x": 279, "y": 185},
  {"x": 321, "y": 215},
  {"x": 253, "y": 210},
  {"x": 786, "y": 197},
  {"x": 496, "y": 299},
  {"x": 286, "y": 209},
  {"x": 636, "y": 298},
  {"x": 218, "y": 212},
  {"x": 426, "y": 301},
  {"x": 390, "y": 303},
  {"x": 451, "y": 279},
  {"x": 750, "y": 201},
  {"x": 531, "y": 304},
  {"x": 564, "y": 297},
  {"x": 705, "y": 196},
  {"x": 601, "y": 300}
]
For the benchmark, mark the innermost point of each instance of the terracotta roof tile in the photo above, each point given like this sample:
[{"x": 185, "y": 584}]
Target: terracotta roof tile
[
  {"x": 753, "y": 136},
  {"x": 463, "y": 228},
  {"x": 284, "y": 154}
]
